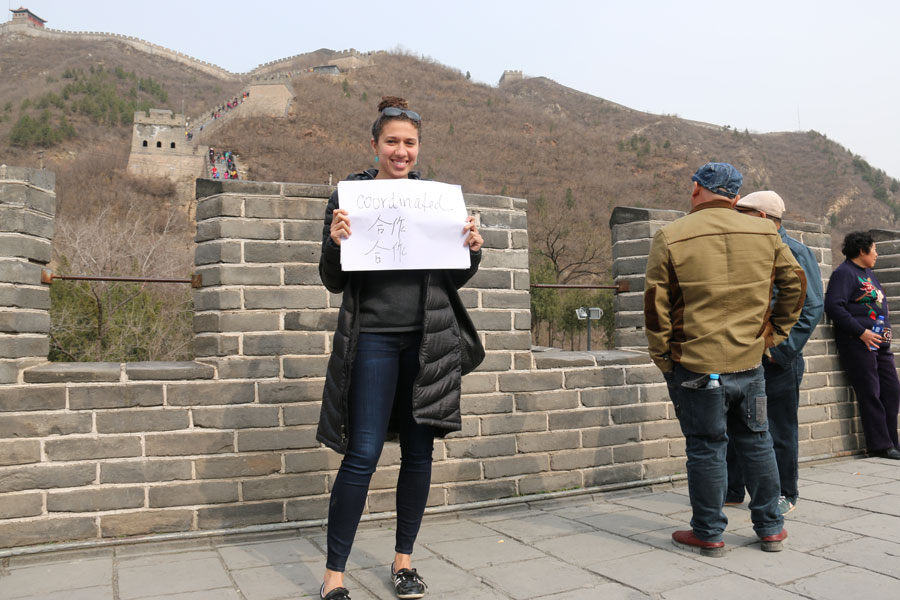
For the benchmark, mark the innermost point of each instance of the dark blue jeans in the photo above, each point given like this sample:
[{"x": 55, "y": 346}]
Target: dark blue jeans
[
  {"x": 709, "y": 418},
  {"x": 783, "y": 393},
  {"x": 384, "y": 370}
]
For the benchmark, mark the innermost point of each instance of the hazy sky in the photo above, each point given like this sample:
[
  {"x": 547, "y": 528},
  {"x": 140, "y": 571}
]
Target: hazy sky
[{"x": 761, "y": 65}]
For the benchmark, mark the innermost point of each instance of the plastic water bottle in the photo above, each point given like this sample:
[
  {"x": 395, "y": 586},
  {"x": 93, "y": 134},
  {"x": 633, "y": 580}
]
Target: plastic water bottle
[
  {"x": 713, "y": 381},
  {"x": 878, "y": 328}
]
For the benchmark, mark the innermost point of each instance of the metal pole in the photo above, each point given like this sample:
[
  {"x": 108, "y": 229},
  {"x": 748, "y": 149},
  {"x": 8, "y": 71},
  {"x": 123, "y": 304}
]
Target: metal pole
[
  {"x": 621, "y": 286},
  {"x": 48, "y": 276},
  {"x": 589, "y": 330}
]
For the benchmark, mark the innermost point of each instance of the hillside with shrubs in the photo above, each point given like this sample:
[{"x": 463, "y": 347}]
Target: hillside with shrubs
[{"x": 572, "y": 155}]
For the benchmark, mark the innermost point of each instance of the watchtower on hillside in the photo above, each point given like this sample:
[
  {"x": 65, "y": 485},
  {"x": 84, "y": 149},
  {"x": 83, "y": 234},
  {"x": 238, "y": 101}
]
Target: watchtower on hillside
[
  {"x": 346, "y": 60},
  {"x": 510, "y": 76},
  {"x": 23, "y": 16},
  {"x": 159, "y": 130},
  {"x": 159, "y": 147}
]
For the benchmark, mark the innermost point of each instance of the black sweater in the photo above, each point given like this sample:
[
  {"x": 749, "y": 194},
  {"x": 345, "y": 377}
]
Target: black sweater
[{"x": 854, "y": 299}]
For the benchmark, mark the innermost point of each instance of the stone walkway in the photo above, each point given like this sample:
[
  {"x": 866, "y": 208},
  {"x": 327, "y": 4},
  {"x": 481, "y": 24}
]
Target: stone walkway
[{"x": 844, "y": 543}]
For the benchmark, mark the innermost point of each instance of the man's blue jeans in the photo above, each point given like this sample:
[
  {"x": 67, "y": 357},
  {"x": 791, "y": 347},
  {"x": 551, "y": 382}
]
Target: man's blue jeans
[
  {"x": 783, "y": 393},
  {"x": 709, "y": 418},
  {"x": 384, "y": 370}
]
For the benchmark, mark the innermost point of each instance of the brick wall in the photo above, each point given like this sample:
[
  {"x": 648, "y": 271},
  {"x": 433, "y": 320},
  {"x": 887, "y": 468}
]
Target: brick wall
[
  {"x": 27, "y": 208},
  {"x": 92, "y": 451}
]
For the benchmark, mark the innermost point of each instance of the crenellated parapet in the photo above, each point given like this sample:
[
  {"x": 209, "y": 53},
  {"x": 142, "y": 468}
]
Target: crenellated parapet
[
  {"x": 102, "y": 451},
  {"x": 143, "y": 45}
]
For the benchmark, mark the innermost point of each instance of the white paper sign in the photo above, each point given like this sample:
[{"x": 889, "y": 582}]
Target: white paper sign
[{"x": 403, "y": 224}]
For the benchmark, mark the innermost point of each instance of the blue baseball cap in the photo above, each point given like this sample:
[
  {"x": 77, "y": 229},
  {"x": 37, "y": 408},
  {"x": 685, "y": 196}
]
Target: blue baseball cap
[{"x": 719, "y": 178}]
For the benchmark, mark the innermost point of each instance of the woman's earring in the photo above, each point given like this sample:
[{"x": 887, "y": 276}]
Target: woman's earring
[{"x": 376, "y": 158}]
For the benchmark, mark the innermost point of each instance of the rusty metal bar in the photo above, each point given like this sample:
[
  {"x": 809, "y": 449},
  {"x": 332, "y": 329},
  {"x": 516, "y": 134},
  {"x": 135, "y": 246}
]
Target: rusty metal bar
[
  {"x": 620, "y": 287},
  {"x": 48, "y": 276}
]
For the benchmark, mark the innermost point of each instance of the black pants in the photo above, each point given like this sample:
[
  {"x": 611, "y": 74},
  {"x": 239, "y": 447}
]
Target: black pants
[
  {"x": 874, "y": 378},
  {"x": 385, "y": 368}
]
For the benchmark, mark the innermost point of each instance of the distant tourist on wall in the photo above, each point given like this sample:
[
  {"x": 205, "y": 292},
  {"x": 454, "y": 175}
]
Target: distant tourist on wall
[
  {"x": 385, "y": 332},
  {"x": 855, "y": 302},
  {"x": 707, "y": 317},
  {"x": 783, "y": 364}
]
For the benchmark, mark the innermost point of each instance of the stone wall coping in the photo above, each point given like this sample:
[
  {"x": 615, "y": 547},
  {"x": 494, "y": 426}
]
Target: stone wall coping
[
  {"x": 39, "y": 178},
  {"x": 168, "y": 370},
  {"x": 808, "y": 226},
  {"x": 551, "y": 358},
  {"x": 884, "y": 235},
  {"x": 629, "y": 214},
  {"x": 73, "y": 372},
  {"x": 213, "y": 187},
  {"x": 60, "y": 372},
  {"x": 491, "y": 201}
]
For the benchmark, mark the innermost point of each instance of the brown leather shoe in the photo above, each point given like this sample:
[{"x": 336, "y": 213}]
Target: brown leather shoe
[
  {"x": 688, "y": 541},
  {"x": 774, "y": 543}
]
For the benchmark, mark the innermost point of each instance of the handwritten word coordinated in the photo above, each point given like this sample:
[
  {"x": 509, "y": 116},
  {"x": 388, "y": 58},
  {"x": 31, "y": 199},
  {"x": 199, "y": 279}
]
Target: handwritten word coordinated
[{"x": 393, "y": 202}]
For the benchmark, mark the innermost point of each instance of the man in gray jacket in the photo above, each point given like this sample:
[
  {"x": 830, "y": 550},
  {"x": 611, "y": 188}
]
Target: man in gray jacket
[{"x": 783, "y": 364}]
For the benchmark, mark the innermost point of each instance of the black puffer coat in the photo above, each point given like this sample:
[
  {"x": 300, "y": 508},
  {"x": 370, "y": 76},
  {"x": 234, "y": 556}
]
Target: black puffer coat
[{"x": 436, "y": 390}]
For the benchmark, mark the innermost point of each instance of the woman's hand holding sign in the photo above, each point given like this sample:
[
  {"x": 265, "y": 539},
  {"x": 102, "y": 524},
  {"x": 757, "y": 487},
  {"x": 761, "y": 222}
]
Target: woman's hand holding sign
[
  {"x": 340, "y": 226},
  {"x": 473, "y": 239}
]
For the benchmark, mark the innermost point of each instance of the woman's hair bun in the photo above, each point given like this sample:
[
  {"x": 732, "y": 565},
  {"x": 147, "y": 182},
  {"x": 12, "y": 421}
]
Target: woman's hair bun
[{"x": 388, "y": 101}]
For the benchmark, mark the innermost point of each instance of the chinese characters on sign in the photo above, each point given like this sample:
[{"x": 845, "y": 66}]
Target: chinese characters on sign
[
  {"x": 403, "y": 224},
  {"x": 389, "y": 239}
]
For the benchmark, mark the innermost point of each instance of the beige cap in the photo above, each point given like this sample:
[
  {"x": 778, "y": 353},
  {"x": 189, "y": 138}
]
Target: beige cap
[{"x": 766, "y": 201}]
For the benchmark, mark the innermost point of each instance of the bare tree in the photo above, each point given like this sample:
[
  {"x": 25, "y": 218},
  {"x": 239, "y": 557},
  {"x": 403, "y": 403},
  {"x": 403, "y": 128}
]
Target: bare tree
[
  {"x": 115, "y": 320},
  {"x": 568, "y": 240}
]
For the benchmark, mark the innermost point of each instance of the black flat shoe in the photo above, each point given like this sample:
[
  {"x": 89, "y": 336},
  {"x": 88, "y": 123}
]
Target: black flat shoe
[
  {"x": 408, "y": 583},
  {"x": 338, "y": 593},
  {"x": 891, "y": 453}
]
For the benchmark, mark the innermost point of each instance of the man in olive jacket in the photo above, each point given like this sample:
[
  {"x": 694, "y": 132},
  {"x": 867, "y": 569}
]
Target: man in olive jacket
[{"x": 709, "y": 280}]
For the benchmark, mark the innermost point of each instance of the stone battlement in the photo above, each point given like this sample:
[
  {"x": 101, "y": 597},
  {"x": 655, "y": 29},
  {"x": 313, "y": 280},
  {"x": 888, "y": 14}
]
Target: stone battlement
[
  {"x": 151, "y": 48},
  {"x": 102, "y": 451},
  {"x": 159, "y": 116},
  {"x": 345, "y": 59}
]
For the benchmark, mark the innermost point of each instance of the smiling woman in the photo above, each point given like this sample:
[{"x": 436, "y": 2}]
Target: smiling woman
[{"x": 391, "y": 322}]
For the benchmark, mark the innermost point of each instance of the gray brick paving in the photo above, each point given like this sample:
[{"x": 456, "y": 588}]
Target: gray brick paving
[{"x": 844, "y": 542}]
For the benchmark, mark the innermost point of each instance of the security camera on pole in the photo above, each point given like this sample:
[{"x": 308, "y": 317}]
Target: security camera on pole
[{"x": 591, "y": 314}]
